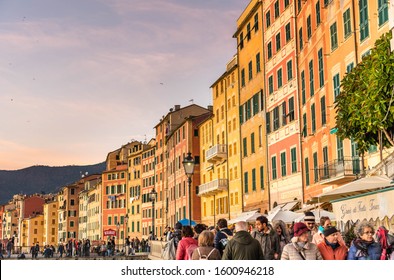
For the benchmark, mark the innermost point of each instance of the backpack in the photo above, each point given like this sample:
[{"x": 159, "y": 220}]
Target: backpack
[
  {"x": 204, "y": 257},
  {"x": 169, "y": 250},
  {"x": 224, "y": 241},
  {"x": 190, "y": 249}
]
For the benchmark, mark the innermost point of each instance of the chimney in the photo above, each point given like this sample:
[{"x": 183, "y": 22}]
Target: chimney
[
  {"x": 210, "y": 108},
  {"x": 177, "y": 107}
]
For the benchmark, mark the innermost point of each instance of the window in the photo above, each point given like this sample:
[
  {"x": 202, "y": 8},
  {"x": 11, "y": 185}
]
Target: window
[
  {"x": 293, "y": 153},
  {"x": 303, "y": 91},
  {"x": 250, "y": 66},
  {"x": 276, "y": 7},
  {"x": 241, "y": 40},
  {"x": 258, "y": 67},
  {"x": 364, "y": 25},
  {"x": 284, "y": 114},
  {"x": 309, "y": 27},
  {"x": 287, "y": 3},
  {"x": 246, "y": 187},
  {"x": 289, "y": 70},
  {"x": 256, "y": 22},
  {"x": 243, "y": 77},
  {"x": 277, "y": 40},
  {"x": 321, "y": 68},
  {"x": 334, "y": 36},
  {"x": 291, "y": 109},
  {"x": 269, "y": 50},
  {"x": 109, "y": 221},
  {"x": 273, "y": 164},
  {"x": 337, "y": 85},
  {"x": 248, "y": 35},
  {"x": 254, "y": 179},
  {"x": 283, "y": 163},
  {"x": 304, "y": 129},
  {"x": 268, "y": 19},
  {"x": 311, "y": 78},
  {"x": 262, "y": 177},
  {"x": 323, "y": 110},
  {"x": 270, "y": 84},
  {"x": 350, "y": 67},
  {"x": 288, "y": 32},
  {"x": 317, "y": 8},
  {"x": 347, "y": 23},
  {"x": 315, "y": 168},
  {"x": 313, "y": 113},
  {"x": 252, "y": 149},
  {"x": 325, "y": 162},
  {"x": 279, "y": 78},
  {"x": 255, "y": 101},
  {"x": 301, "y": 40},
  {"x": 339, "y": 149},
  {"x": 245, "y": 146},
  {"x": 307, "y": 172},
  {"x": 383, "y": 9},
  {"x": 276, "y": 118},
  {"x": 268, "y": 121}
]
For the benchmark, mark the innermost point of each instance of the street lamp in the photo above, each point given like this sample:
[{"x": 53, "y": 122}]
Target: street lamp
[
  {"x": 152, "y": 197},
  {"x": 188, "y": 165},
  {"x": 126, "y": 219},
  {"x": 4, "y": 227},
  {"x": 117, "y": 228}
]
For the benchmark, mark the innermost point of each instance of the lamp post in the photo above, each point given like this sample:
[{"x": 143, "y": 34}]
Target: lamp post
[
  {"x": 117, "y": 228},
  {"x": 126, "y": 219},
  {"x": 188, "y": 165},
  {"x": 152, "y": 197},
  {"x": 4, "y": 225}
]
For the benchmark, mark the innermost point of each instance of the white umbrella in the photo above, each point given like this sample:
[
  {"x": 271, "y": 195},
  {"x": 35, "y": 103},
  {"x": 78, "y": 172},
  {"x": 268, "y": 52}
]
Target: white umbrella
[
  {"x": 318, "y": 214},
  {"x": 285, "y": 216}
]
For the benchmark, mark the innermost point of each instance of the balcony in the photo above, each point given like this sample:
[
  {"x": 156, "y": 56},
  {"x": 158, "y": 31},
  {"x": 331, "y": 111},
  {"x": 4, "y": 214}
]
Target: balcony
[
  {"x": 213, "y": 187},
  {"x": 340, "y": 171},
  {"x": 216, "y": 153}
]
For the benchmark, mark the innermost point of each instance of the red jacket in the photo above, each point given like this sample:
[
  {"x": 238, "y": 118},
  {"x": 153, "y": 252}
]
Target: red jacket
[
  {"x": 181, "y": 253},
  {"x": 328, "y": 253}
]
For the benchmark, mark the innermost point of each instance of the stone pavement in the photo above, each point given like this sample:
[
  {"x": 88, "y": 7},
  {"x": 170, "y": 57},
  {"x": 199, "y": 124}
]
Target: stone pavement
[{"x": 93, "y": 256}]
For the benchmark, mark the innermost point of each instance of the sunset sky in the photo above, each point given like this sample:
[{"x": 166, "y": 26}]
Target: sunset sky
[{"x": 80, "y": 78}]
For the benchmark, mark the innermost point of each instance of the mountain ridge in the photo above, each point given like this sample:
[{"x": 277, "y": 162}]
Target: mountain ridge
[{"x": 42, "y": 178}]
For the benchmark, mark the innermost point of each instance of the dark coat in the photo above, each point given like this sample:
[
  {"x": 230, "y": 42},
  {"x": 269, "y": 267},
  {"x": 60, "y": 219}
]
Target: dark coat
[
  {"x": 221, "y": 234},
  {"x": 269, "y": 243},
  {"x": 243, "y": 247},
  {"x": 374, "y": 252}
]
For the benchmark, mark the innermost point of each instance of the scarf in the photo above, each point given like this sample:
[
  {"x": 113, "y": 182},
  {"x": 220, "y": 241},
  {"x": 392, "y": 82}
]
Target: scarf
[
  {"x": 382, "y": 238},
  {"x": 332, "y": 245},
  {"x": 362, "y": 247}
]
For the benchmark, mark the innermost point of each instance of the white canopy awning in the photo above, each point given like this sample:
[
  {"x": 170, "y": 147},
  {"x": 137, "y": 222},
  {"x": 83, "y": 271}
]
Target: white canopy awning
[
  {"x": 246, "y": 217},
  {"x": 285, "y": 216},
  {"x": 356, "y": 187}
]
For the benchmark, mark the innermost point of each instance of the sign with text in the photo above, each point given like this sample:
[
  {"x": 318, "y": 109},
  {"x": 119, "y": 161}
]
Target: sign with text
[
  {"x": 377, "y": 205},
  {"x": 109, "y": 232}
]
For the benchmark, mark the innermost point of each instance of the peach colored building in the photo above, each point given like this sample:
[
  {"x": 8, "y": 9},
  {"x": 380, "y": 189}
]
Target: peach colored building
[
  {"x": 50, "y": 232},
  {"x": 282, "y": 103}
]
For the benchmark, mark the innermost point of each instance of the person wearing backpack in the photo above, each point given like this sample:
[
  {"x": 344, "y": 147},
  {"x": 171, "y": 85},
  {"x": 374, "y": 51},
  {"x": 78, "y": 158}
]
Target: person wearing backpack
[
  {"x": 205, "y": 249},
  {"x": 223, "y": 235},
  {"x": 186, "y": 241}
]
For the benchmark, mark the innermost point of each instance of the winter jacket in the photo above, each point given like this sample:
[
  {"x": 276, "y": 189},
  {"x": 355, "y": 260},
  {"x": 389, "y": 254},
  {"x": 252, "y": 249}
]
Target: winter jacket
[
  {"x": 269, "y": 242},
  {"x": 292, "y": 251},
  {"x": 374, "y": 252},
  {"x": 328, "y": 253},
  {"x": 243, "y": 247},
  {"x": 181, "y": 253},
  {"x": 219, "y": 236},
  {"x": 214, "y": 255}
]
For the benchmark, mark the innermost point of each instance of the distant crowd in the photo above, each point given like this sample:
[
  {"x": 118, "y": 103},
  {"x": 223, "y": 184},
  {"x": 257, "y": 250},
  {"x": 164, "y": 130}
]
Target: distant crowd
[{"x": 305, "y": 240}]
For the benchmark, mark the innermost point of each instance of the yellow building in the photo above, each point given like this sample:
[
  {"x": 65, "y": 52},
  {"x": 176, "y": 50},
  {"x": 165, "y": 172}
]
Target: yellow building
[
  {"x": 35, "y": 230},
  {"x": 94, "y": 226},
  {"x": 221, "y": 187},
  {"x": 50, "y": 223},
  {"x": 253, "y": 150}
]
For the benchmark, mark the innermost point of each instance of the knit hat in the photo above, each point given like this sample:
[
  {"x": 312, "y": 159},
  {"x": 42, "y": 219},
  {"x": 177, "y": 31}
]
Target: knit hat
[
  {"x": 299, "y": 229},
  {"x": 329, "y": 231},
  {"x": 309, "y": 217}
]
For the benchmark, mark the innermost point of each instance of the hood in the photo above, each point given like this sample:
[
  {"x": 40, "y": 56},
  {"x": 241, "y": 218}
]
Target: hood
[
  {"x": 270, "y": 232},
  {"x": 243, "y": 237}
]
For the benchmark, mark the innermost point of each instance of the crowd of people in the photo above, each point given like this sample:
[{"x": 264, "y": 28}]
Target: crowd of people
[{"x": 307, "y": 240}]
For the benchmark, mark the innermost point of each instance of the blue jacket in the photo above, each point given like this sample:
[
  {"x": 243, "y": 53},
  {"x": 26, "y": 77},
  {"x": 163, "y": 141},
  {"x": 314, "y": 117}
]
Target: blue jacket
[
  {"x": 374, "y": 252},
  {"x": 219, "y": 236}
]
